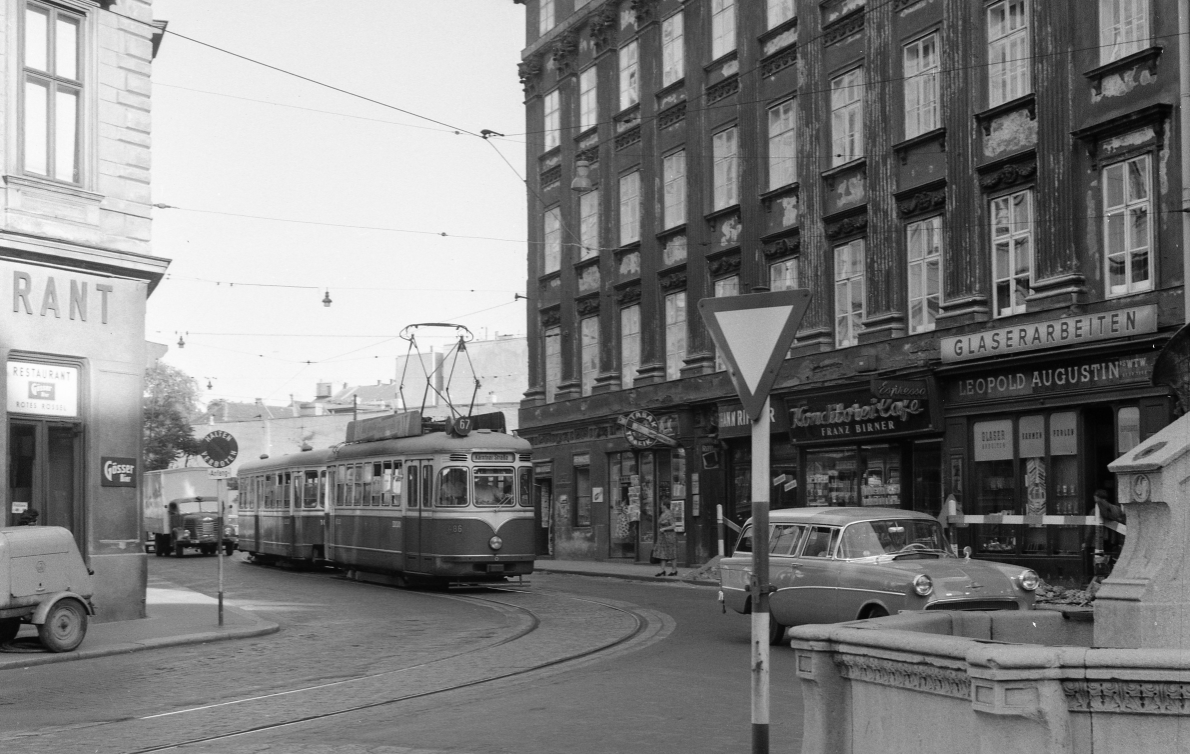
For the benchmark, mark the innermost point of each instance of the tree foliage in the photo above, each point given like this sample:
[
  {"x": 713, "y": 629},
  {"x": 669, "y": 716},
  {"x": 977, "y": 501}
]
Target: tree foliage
[{"x": 171, "y": 398}]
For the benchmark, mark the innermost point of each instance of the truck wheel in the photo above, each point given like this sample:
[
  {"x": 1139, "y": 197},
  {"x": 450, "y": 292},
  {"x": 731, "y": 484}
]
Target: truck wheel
[
  {"x": 64, "y": 627},
  {"x": 159, "y": 546},
  {"x": 179, "y": 550},
  {"x": 229, "y": 548},
  {"x": 9, "y": 628}
]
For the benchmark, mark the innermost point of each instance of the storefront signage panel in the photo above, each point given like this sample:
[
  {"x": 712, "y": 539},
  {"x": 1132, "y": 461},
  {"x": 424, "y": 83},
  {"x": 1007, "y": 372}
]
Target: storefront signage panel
[
  {"x": 855, "y": 414},
  {"x": 1057, "y": 333},
  {"x": 1079, "y": 375},
  {"x": 117, "y": 472},
  {"x": 42, "y": 389},
  {"x": 734, "y": 420}
]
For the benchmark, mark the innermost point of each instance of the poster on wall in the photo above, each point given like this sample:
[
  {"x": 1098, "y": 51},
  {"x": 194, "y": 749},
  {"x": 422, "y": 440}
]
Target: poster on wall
[
  {"x": 42, "y": 389},
  {"x": 679, "y": 510}
]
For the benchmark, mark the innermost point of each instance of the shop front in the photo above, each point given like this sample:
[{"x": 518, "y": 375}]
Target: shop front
[
  {"x": 601, "y": 488},
  {"x": 74, "y": 355},
  {"x": 1029, "y": 437}
]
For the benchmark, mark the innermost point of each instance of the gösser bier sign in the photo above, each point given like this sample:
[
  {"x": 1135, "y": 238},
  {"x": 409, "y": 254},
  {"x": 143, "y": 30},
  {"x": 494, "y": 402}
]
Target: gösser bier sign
[{"x": 1056, "y": 333}]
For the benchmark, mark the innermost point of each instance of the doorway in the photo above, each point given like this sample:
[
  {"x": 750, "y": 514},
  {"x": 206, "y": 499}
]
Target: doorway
[{"x": 43, "y": 473}]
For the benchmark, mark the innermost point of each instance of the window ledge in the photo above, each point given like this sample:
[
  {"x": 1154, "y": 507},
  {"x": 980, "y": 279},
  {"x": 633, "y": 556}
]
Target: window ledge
[
  {"x": 53, "y": 187},
  {"x": 670, "y": 88},
  {"x": 788, "y": 188},
  {"x": 1027, "y": 102},
  {"x": 1146, "y": 58},
  {"x": 846, "y": 167},
  {"x": 722, "y": 60},
  {"x": 712, "y": 216},
  {"x": 902, "y": 149},
  {"x": 672, "y": 230}
]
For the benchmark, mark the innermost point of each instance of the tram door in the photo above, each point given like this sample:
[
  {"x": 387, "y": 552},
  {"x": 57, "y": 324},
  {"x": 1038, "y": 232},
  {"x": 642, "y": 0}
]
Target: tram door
[
  {"x": 418, "y": 479},
  {"x": 330, "y": 538}
]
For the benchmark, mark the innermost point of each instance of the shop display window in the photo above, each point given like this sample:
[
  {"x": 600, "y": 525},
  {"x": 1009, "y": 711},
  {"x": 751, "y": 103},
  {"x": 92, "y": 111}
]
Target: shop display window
[
  {"x": 648, "y": 486},
  {"x": 832, "y": 477},
  {"x": 880, "y": 484},
  {"x": 784, "y": 468},
  {"x": 741, "y": 479},
  {"x": 927, "y": 477},
  {"x": 994, "y": 483}
]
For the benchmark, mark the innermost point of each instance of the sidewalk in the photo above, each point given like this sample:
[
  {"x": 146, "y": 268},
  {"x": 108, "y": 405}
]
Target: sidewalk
[{"x": 176, "y": 616}]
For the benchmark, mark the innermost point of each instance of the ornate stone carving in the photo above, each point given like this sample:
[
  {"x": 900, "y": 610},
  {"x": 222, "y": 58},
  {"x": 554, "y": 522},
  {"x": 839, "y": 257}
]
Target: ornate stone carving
[
  {"x": 783, "y": 247},
  {"x": 924, "y": 678},
  {"x": 590, "y": 155},
  {"x": 725, "y": 88},
  {"x": 587, "y": 306},
  {"x": 900, "y": 5},
  {"x": 645, "y": 10},
  {"x": 780, "y": 61},
  {"x": 565, "y": 53},
  {"x": 1009, "y": 175},
  {"x": 628, "y": 295},
  {"x": 673, "y": 281},
  {"x": 529, "y": 71},
  {"x": 551, "y": 317},
  {"x": 672, "y": 115},
  {"x": 628, "y": 138},
  {"x": 846, "y": 226},
  {"x": 923, "y": 201},
  {"x": 553, "y": 175},
  {"x": 602, "y": 27},
  {"x": 724, "y": 265},
  {"x": 1143, "y": 697},
  {"x": 837, "y": 31}
]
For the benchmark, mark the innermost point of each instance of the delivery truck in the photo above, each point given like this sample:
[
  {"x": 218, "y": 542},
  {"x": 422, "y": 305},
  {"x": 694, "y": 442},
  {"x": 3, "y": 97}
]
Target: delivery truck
[{"x": 182, "y": 511}]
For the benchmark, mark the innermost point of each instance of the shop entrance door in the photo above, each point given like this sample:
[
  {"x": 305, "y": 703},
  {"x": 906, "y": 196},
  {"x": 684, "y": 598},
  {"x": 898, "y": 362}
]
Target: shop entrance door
[{"x": 43, "y": 473}]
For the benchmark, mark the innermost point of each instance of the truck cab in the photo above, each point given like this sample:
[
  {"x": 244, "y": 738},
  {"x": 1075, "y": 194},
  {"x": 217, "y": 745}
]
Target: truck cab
[{"x": 194, "y": 522}]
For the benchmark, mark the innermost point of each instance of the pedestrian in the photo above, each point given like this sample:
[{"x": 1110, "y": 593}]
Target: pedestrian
[{"x": 666, "y": 549}]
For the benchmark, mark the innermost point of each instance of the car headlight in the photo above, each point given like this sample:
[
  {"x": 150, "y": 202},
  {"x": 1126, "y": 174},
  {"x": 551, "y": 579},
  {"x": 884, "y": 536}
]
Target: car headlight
[
  {"x": 186, "y": 534},
  {"x": 1029, "y": 580},
  {"x": 923, "y": 584},
  {"x": 227, "y": 531},
  {"x": 495, "y": 543}
]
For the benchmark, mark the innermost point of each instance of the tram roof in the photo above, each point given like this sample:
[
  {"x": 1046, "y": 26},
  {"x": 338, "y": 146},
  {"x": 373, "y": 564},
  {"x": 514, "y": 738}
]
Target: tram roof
[{"x": 432, "y": 443}]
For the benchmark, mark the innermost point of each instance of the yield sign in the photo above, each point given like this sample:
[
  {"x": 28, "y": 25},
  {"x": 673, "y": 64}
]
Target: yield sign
[{"x": 753, "y": 333}]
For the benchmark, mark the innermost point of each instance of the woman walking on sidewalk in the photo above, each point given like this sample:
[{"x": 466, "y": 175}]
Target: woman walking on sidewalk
[{"x": 666, "y": 549}]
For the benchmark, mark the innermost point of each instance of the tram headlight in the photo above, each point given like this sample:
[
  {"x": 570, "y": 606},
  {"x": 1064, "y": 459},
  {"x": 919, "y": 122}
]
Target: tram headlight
[{"x": 495, "y": 543}]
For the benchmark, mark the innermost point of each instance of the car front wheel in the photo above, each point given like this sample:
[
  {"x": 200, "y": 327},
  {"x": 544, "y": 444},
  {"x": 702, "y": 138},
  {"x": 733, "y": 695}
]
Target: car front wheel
[{"x": 64, "y": 627}]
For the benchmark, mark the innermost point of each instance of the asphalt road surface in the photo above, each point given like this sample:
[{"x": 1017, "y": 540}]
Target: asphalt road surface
[{"x": 564, "y": 664}]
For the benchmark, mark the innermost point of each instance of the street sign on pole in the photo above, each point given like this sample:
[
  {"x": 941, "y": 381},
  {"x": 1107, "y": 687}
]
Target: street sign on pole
[{"x": 753, "y": 333}]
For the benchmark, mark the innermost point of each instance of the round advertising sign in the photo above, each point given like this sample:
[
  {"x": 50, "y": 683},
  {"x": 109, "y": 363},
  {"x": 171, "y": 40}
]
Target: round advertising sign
[
  {"x": 634, "y": 423},
  {"x": 219, "y": 449}
]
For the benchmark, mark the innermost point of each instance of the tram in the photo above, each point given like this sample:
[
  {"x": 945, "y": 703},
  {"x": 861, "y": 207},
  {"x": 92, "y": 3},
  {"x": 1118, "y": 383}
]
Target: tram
[{"x": 412, "y": 500}]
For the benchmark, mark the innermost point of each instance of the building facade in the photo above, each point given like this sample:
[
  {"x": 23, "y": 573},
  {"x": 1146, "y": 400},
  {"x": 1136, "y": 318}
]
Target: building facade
[
  {"x": 77, "y": 270},
  {"x": 981, "y": 195}
]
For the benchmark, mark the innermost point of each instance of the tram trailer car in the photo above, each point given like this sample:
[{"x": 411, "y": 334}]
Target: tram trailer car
[{"x": 434, "y": 507}]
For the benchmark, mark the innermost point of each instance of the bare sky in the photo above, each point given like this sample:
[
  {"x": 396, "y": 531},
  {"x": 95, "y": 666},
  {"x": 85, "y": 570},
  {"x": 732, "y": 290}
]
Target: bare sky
[{"x": 220, "y": 149}]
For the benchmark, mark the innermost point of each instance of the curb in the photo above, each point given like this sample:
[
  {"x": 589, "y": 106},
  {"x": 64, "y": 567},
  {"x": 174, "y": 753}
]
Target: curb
[
  {"x": 19, "y": 660},
  {"x": 626, "y": 576}
]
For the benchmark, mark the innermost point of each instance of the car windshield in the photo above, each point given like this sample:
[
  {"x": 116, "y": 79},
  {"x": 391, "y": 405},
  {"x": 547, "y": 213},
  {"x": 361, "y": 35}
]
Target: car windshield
[{"x": 896, "y": 537}]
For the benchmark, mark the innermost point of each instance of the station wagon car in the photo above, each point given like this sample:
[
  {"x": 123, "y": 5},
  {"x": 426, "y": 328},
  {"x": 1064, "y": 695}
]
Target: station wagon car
[{"x": 828, "y": 565}]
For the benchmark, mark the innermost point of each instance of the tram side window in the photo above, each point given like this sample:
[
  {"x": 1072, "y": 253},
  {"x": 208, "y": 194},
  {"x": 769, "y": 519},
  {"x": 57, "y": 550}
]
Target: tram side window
[
  {"x": 396, "y": 484},
  {"x": 268, "y": 492},
  {"x": 365, "y": 484},
  {"x": 493, "y": 487},
  {"x": 310, "y": 490},
  {"x": 386, "y": 483},
  {"x": 412, "y": 487},
  {"x": 377, "y": 483},
  {"x": 341, "y": 486},
  {"x": 526, "y": 488},
  {"x": 299, "y": 490},
  {"x": 286, "y": 496},
  {"x": 452, "y": 487},
  {"x": 427, "y": 481}
]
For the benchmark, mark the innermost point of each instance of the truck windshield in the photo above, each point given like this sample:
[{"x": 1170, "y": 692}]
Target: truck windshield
[{"x": 196, "y": 506}]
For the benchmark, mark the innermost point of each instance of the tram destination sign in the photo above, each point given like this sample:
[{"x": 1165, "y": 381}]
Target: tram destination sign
[{"x": 1053, "y": 333}]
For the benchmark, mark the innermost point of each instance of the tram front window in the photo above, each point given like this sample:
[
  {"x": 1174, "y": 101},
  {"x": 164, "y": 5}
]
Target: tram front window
[
  {"x": 452, "y": 488},
  {"x": 494, "y": 487}
]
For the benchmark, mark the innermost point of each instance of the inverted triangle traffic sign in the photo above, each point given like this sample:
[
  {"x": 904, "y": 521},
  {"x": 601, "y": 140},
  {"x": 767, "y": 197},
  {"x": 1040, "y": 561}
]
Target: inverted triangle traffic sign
[{"x": 753, "y": 332}]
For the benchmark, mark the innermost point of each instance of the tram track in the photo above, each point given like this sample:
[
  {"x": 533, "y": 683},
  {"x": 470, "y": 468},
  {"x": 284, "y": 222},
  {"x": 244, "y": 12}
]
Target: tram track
[{"x": 556, "y": 631}]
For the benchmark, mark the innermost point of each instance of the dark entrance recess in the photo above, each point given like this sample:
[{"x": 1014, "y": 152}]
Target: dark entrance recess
[{"x": 43, "y": 471}]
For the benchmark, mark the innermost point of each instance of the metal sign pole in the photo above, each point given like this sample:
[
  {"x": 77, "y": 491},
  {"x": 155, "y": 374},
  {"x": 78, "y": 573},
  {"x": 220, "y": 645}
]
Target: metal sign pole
[
  {"x": 760, "y": 581},
  {"x": 219, "y": 555}
]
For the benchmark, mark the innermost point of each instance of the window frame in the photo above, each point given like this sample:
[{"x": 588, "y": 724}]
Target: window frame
[
  {"x": 629, "y": 341},
  {"x": 630, "y": 207},
  {"x": 791, "y": 265},
  {"x": 846, "y": 280},
  {"x": 546, "y": 17},
  {"x": 721, "y": 288},
  {"x": 674, "y": 209},
  {"x": 551, "y": 120},
  {"x": 1006, "y": 81},
  {"x": 589, "y": 224},
  {"x": 673, "y": 49},
  {"x": 551, "y": 355},
  {"x": 923, "y": 261},
  {"x": 775, "y": 12},
  {"x": 919, "y": 85},
  {"x": 785, "y": 137},
  {"x": 628, "y": 59},
  {"x": 1011, "y": 238},
  {"x": 588, "y": 98},
  {"x": 723, "y": 28},
  {"x": 725, "y": 169},
  {"x": 1129, "y": 251},
  {"x": 53, "y": 83},
  {"x": 1129, "y": 43},
  {"x": 551, "y": 240},
  {"x": 675, "y": 334},
  {"x": 847, "y": 116},
  {"x": 588, "y": 354}
]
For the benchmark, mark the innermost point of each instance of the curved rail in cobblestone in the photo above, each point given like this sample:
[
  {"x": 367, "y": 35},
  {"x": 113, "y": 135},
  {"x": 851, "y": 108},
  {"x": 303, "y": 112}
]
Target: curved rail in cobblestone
[{"x": 551, "y": 631}]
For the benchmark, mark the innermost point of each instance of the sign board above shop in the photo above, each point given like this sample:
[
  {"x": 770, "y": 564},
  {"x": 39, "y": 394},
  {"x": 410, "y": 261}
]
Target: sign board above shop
[
  {"x": 1054, "y": 333},
  {"x": 42, "y": 389},
  {"x": 1043, "y": 379},
  {"x": 885, "y": 407}
]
